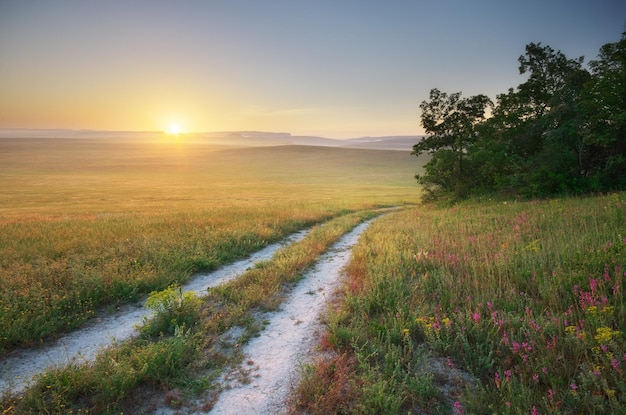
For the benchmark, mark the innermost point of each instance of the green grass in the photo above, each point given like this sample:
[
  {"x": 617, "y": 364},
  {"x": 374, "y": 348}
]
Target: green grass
[
  {"x": 527, "y": 297},
  {"x": 179, "y": 353},
  {"x": 89, "y": 223}
]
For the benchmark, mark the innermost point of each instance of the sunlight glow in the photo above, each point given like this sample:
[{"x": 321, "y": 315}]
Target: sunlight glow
[{"x": 174, "y": 129}]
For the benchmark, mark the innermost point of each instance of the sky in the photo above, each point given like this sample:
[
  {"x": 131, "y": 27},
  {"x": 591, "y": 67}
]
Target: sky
[{"x": 332, "y": 68}]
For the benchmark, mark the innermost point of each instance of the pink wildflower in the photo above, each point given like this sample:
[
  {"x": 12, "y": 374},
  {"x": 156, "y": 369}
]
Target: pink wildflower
[
  {"x": 534, "y": 411},
  {"x": 458, "y": 407},
  {"x": 615, "y": 364},
  {"x": 505, "y": 340}
]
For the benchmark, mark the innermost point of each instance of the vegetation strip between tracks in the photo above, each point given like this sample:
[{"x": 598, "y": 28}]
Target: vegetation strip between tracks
[{"x": 179, "y": 350}]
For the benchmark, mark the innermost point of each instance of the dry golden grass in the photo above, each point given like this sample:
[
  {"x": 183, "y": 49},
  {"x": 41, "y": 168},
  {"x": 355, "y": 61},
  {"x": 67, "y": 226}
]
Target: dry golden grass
[{"x": 86, "y": 223}]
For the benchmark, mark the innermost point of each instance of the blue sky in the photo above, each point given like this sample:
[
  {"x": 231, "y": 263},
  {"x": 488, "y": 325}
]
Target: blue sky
[{"x": 331, "y": 68}]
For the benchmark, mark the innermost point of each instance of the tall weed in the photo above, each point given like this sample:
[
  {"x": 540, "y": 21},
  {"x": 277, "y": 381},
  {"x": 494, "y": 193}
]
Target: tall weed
[{"x": 528, "y": 297}]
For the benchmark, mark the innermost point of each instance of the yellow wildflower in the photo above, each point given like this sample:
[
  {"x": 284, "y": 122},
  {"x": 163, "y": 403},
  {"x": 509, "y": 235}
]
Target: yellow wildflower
[
  {"x": 605, "y": 334},
  {"x": 608, "y": 310},
  {"x": 570, "y": 329}
]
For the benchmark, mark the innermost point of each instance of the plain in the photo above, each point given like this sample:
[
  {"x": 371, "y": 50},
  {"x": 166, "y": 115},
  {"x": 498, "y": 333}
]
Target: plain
[{"x": 91, "y": 223}]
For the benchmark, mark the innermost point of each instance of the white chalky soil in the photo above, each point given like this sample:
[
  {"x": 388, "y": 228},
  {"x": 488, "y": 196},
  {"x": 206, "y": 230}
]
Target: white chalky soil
[
  {"x": 18, "y": 367},
  {"x": 273, "y": 358}
]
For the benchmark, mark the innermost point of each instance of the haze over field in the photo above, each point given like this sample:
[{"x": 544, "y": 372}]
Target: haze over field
[
  {"x": 227, "y": 138},
  {"x": 312, "y": 68}
]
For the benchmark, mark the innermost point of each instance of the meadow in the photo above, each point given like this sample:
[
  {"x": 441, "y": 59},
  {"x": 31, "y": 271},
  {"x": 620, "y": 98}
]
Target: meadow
[
  {"x": 87, "y": 224},
  {"x": 526, "y": 297}
]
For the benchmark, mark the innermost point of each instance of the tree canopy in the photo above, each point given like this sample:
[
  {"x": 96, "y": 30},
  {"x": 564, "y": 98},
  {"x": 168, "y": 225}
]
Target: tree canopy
[{"x": 562, "y": 131}]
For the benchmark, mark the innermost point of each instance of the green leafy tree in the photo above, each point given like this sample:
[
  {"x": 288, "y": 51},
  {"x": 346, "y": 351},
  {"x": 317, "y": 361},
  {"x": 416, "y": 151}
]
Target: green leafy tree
[
  {"x": 604, "y": 118},
  {"x": 561, "y": 131},
  {"x": 450, "y": 121},
  {"x": 534, "y": 133}
]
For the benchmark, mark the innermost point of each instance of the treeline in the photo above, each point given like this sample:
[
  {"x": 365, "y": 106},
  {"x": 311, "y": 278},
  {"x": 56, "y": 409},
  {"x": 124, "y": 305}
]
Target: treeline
[{"x": 562, "y": 131}]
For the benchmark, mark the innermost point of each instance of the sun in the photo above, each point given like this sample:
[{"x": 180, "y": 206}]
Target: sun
[{"x": 174, "y": 129}]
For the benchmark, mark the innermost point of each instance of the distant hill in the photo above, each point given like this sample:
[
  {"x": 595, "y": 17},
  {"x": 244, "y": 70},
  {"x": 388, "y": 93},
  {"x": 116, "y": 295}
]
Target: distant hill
[{"x": 226, "y": 138}]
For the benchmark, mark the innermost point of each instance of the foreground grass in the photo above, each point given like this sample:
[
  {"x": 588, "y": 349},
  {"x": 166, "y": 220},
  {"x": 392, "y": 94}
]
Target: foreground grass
[
  {"x": 527, "y": 297},
  {"x": 93, "y": 223},
  {"x": 179, "y": 352}
]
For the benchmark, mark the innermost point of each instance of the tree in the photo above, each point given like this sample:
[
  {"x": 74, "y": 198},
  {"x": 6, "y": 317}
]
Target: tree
[
  {"x": 549, "y": 73},
  {"x": 537, "y": 126},
  {"x": 451, "y": 122},
  {"x": 604, "y": 121},
  {"x": 563, "y": 130}
]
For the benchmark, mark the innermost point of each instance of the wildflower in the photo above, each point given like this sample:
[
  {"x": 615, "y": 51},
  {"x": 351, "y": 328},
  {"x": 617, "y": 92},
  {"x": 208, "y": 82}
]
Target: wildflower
[
  {"x": 605, "y": 334},
  {"x": 505, "y": 340},
  {"x": 615, "y": 364},
  {"x": 436, "y": 326},
  {"x": 551, "y": 344},
  {"x": 573, "y": 388},
  {"x": 596, "y": 371},
  {"x": 405, "y": 332},
  {"x": 534, "y": 410},
  {"x": 458, "y": 407},
  {"x": 570, "y": 329},
  {"x": 535, "y": 378},
  {"x": 608, "y": 310},
  {"x": 497, "y": 380},
  {"x": 507, "y": 375}
]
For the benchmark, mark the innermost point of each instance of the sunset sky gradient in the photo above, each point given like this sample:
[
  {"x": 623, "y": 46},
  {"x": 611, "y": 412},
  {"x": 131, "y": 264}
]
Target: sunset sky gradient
[{"x": 335, "y": 68}]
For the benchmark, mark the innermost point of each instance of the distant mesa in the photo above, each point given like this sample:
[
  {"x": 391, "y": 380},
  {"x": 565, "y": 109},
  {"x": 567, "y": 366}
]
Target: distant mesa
[{"x": 226, "y": 138}]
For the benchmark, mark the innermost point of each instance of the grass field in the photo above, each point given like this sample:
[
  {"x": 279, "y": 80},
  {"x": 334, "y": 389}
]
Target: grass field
[
  {"x": 180, "y": 352},
  {"x": 527, "y": 297},
  {"x": 87, "y": 223}
]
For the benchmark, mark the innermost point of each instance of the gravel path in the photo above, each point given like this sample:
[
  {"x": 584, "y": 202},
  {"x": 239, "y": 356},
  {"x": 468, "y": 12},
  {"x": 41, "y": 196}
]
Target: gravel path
[
  {"x": 273, "y": 359},
  {"x": 18, "y": 367}
]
